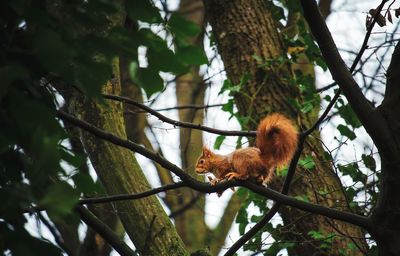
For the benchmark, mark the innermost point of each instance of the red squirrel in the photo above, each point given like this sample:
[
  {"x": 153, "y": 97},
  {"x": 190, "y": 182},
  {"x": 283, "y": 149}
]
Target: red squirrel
[{"x": 276, "y": 143}]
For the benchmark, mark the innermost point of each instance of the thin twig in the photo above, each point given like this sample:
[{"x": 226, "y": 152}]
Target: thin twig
[{"x": 188, "y": 106}]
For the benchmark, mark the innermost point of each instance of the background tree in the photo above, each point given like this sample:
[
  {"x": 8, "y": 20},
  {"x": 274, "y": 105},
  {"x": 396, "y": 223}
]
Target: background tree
[{"x": 76, "y": 82}]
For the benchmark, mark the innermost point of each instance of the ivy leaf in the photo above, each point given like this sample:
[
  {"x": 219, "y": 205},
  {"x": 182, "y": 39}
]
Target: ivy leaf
[
  {"x": 307, "y": 107},
  {"x": 307, "y": 163},
  {"x": 347, "y": 113},
  {"x": 218, "y": 141},
  {"x": 350, "y": 193},
  {"x": 353, "y": 171},
  {"x": 345, "y": 131},
  {"x": 369, "y": 162},
  {"x": 303, "y": 198},
  {"x": 316, "y": 234},
  {"x": 276, "y": 247},
  {"x": 228, "y": 107}
]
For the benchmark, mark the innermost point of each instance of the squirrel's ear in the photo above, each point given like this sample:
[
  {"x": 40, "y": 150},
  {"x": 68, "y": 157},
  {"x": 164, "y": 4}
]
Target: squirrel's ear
[{"x": 206, "y": 152}]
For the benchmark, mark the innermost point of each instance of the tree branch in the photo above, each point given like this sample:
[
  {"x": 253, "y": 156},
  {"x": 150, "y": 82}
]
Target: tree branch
[
  {"x": 178, "y": 123},
  {"x": 372, "y": 121},
  {"x": 267, "y": 192},
  {"x": 187, "y": 106},
  {"x": 114, "y": 198},
  {"x": 102, "y": 229},
  {"x": 206, "y": 188}
]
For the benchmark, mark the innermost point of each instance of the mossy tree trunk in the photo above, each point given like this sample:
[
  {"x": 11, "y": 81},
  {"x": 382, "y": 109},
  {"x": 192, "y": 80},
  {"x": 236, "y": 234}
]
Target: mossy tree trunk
[
  {"x": 244, "y": 29},
  {"x": 144, "y": 220}
]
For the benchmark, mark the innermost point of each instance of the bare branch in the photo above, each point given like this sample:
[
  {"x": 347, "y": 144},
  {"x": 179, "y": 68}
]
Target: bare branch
[
  {"x": 188, "y": 106},
  {"x": 178, "y": 123},
  {"x": 102, "y": 229},
  {"x": 372, "y": 121},
  {"x": 114, "y": 198}
]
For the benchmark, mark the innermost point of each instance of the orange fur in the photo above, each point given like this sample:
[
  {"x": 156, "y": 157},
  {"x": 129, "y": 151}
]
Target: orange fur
[{"x": 276, "y": 143}]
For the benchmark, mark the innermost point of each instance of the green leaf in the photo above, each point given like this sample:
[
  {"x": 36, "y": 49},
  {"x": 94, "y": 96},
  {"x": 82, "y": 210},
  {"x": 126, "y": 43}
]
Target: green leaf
[
  {"x": 350, "y": 193},
  {"x": 256, "y": 218},
  {"x": 345, "y": 131},
  {"x": 307, "y": 107},
  {"x": 307, "y": 163},
  {"x": 60, "y": 199},
  {"x": 86, "y": 184},
  {"x": 146, "y": 78},
  {"x": 282, "y": 172},
  {"x": 353, "y": 171},
  {"x": 192, "y": 55},
  {"x": 228, "y": 107},
  {"x": 316, "y": 234},
  {"x": 369, "y": 162},
  {"x": 164, "y": 59},
  {"x": 143, "y": 10},
  {"x": 182, "y": 27},
  {"x": 225, "y": 86},
  {"x": 303, "y": 198},
  {"x": 242, "y": 192},
  {"x": 218, "y": 141},
  {"x": 51, "y": 51},
  {"x": 158, "y": 54},
  {"x": 347, "y": 113}
]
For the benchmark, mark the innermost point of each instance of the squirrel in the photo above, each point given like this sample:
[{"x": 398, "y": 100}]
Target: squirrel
[{"x": 276, "y": 143}]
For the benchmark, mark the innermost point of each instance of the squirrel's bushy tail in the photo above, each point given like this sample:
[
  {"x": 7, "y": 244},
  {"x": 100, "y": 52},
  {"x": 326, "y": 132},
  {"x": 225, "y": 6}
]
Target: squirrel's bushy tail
[{"x": 276, "y": 139}]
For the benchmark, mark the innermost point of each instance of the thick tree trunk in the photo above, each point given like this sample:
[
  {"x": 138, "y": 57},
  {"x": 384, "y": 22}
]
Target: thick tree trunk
[
  {"x": 386, "y": 214},
  {"x": 244, "y": 29},
  {"x": 144, "y": 220}
]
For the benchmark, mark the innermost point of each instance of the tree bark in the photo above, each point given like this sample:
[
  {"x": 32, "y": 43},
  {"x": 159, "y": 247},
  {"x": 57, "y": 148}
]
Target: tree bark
[
  {"x": 244, "y": 29},
  {"x": 386, "y": 213}
]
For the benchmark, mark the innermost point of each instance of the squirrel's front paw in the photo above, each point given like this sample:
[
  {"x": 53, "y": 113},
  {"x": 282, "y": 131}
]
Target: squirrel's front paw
[{"x": 213, "y": 182}]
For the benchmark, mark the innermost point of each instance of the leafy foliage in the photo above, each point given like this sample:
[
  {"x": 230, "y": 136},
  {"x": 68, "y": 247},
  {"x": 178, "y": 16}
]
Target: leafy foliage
[{"x": 47, "y": 44}]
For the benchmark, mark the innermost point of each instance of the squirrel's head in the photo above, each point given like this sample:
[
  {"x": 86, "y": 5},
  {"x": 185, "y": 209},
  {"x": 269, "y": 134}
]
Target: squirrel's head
[{"x": 203, "y": 163}]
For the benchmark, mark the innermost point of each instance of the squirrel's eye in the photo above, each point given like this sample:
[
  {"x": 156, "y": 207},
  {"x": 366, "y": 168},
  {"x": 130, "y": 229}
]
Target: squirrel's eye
[{"x": 201, "y": 161}]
